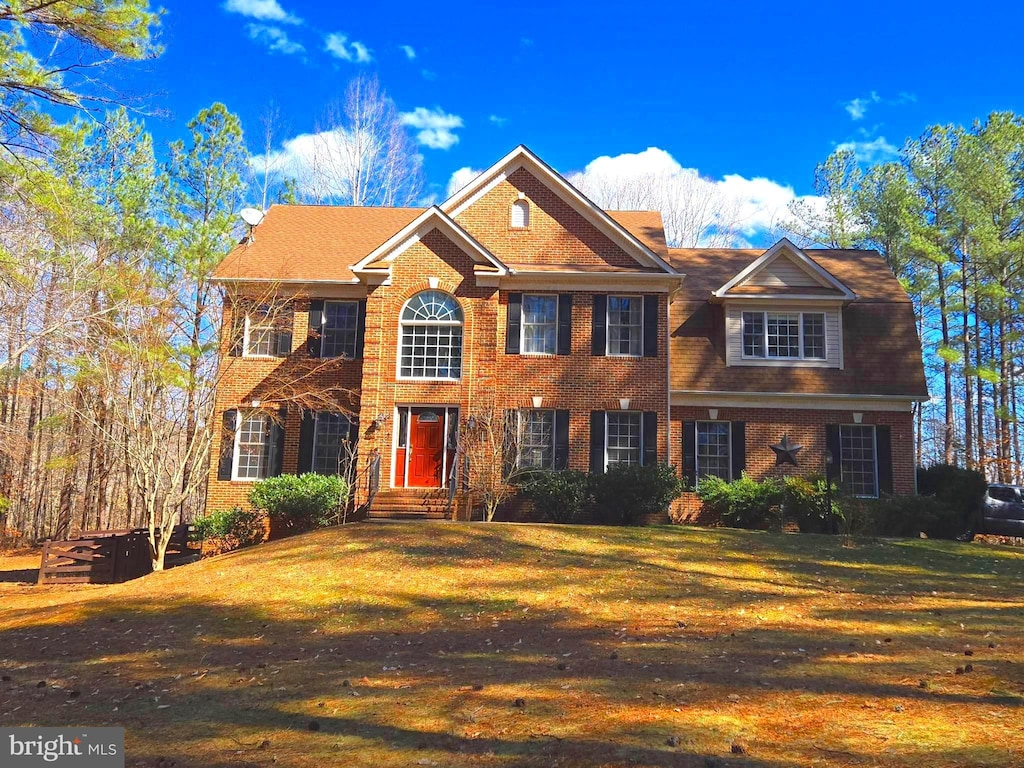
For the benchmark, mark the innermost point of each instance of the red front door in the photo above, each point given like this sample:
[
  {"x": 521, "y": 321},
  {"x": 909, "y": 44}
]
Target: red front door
[{"x": 426, "y": 447}]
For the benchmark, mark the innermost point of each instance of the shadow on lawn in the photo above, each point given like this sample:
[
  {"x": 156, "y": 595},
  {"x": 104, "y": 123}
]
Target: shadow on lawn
[{"x": 436, "y": 678}]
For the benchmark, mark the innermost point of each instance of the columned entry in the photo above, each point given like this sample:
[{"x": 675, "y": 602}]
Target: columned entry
[{"x": 425, "y": 445}]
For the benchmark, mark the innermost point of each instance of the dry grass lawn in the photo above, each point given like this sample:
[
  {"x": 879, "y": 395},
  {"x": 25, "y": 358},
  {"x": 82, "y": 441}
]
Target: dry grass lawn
[{"x": 503, "y": 645}]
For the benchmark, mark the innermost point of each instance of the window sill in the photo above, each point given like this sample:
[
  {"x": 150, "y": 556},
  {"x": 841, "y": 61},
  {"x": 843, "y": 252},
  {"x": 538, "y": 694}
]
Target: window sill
[
  {"x": 436, "y": 380},
  {"x": 246, "y": 356},
  {"x": 622, "y": 356}
]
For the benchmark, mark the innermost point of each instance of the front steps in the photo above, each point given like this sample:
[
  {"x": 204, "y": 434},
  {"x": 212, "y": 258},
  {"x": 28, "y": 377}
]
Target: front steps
[{"x": 410, "y": 504}]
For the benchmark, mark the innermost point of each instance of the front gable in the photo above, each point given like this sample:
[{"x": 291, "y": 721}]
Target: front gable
[
  {"x": 563, "y": 228},
  {"x": 785, "y": 271}
]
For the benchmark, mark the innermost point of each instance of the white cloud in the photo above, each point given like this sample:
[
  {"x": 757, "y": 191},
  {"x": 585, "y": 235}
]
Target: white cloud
[
  {"x": 499, "y": 121},
  {"x": 409, "y": 51},
  {"x": 337, "y": 45},
  {"x": 318, "y": 162},
  {"x": 697, "y": 210},
  {"x": 275, "y": 38},
  {"x": 859, "y": 107},
  {"x": 264, "y": 10},
  {"x": 875, "y": 151},
  {"x": 428, "y": 74},
  {"x": 460, "y": 179},
  {"x": 435, "y": 127}
]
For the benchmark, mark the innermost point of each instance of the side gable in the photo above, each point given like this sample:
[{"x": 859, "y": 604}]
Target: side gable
[
  {"x": 785, "y": 270},
  {"x": 565, "y": 227}
]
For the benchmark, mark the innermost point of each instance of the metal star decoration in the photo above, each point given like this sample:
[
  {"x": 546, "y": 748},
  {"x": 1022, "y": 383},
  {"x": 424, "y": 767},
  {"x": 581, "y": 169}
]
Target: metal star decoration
[{"x": 785, "y": 451}]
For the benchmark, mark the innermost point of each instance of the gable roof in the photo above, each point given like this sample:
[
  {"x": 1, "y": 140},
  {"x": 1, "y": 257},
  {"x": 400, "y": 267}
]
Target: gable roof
[
  {"x": 380, "y": 258},
  {"x": 522, "y": 157},
  {"x": 322, "y": 243},
  {"x": 737, "y": 286}
]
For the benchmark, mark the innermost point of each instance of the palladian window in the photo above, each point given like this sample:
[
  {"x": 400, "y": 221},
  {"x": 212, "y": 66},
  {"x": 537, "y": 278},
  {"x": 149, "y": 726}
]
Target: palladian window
[{"x": 431, "y": 337}]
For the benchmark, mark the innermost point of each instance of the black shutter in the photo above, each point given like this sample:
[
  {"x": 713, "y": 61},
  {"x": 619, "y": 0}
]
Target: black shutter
[
  {"x": 650, "y": 326},
  {"x": 565, "y": 324},
  {"x": 283, "y": 331},
  {"x": 277, "y": 442},
  {"x": 597, "y": 442},
  {"x": 515, "y": 321},
  {"x": 510, "y": 443},
  {"x": 227, "y": 444},
  {"x": 883, "y": 458},
  {"x": 360, "y": 328},
  {"x": 306, "y": 443},
  {"x": 561, "y": 439},
  {"x": 599, "y": 335},
  {"x": 316, "y": 327},
  {"x": 832, "y": 445},
  {"x": 650, "y": 438},
  {"x": 690, "y": 453},
  {"x": 739, "y": 449}
]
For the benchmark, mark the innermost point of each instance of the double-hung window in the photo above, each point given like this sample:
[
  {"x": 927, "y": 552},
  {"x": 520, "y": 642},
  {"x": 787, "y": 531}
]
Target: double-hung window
[
  {"x": 259, "y": 331},
  {"x": 625, "y": 326},
  {"x": 331, "y": 446},
  {"x": 253, "y": 447},
  {"x": 784, "y": 335},
  {"x": 714, "y": 449},
  {"x": 537, "y": 439},
  {"x": 623, "y": 438},
  {"x": 540, "y": 324},
  {"x": 431, "y": 337},
  {"x": 858, "y": 459},
  {"x": 338, "y": 335}
]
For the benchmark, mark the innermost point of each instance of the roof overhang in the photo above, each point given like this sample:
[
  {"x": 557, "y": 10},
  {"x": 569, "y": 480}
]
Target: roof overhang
[
  {"x": 375, "y": 267},
  {"x": 522, "y": 157},
  {"x": 821, "y": 275},
  {"x": 794, "y": 400},
  {"x": 548, "y": 280}
]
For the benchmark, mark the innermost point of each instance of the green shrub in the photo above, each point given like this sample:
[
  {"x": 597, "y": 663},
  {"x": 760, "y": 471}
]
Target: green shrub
[
  {"x": 302, "y": 502},
  {"x": 959, "y": 489},
  {"x": 743, "y": 503},
  {"x": 243, "y": 527},
  {"x": 558, "y": 496},
  {"x": 625, "y": 494},
  {"x": 900, "y": 516},
  {"x": 806, "y": 501}
]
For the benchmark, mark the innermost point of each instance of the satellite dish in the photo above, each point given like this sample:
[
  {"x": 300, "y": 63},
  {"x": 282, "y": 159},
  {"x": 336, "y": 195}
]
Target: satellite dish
[{"x": 251, "y": 216}]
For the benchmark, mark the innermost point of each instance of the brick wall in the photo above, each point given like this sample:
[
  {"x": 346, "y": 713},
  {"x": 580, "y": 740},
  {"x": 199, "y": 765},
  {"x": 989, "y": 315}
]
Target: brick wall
[{"x": 766, "y": 426}]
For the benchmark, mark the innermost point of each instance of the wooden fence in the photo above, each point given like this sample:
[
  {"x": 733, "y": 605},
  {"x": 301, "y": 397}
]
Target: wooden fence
[{"x": 108, "y": 557}]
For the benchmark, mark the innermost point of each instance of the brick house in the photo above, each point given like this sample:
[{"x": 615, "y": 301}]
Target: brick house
[{"x": 518, "y": 295}]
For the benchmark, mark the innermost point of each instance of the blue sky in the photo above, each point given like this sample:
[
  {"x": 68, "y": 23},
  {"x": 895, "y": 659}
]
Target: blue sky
[{"x": 737, "y": 91}]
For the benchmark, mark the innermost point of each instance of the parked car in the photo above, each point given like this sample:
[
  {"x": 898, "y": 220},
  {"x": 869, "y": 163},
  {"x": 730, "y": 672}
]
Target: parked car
[{"x": 1001, "y": 513}]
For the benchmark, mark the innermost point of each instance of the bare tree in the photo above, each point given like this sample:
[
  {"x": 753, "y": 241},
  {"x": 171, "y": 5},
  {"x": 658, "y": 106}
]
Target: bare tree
[
  {"x": 492, "y": 439},
  {"x": 362, "y": 154},
  {"x": 696, "y": 210}
]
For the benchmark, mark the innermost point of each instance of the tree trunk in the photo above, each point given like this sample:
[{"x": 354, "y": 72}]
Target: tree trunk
[{"x": 947, "y": 371}]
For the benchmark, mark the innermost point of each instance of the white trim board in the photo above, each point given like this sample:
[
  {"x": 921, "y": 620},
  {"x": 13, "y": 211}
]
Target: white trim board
[{"x": 802, "y": 401}]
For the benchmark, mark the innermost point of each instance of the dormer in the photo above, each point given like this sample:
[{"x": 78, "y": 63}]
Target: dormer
[{"x": 784, "y": 309}]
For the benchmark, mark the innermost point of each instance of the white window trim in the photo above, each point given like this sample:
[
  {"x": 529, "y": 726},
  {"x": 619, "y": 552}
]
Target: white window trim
[
  {"x": 402, "y": 324},
  {"x": 522, "y": 329},
  {"x": 240, "y": 416},
  {"x": 323, "y": 328},
  {"x": 608, "y": 325},
  {"x": 609, "y": 413},
  {"x": 245, "y": 341},
  {"x": 874, "y": 450},
  {"x": 520, "y": 426},
  {"x": 764, "y": 336},
  {"x": 696, "y": 445}
]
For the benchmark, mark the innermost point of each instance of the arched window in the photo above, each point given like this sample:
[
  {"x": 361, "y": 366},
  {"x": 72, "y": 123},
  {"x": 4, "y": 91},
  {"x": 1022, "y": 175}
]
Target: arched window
[
  {"x": 431, "y": 337},
  {"x": 520, "y": 214}
]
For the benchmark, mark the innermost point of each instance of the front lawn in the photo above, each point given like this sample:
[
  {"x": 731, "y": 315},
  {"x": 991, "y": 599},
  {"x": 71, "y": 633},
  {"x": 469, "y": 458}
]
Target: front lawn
[{"x": 518, "y": 645}]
